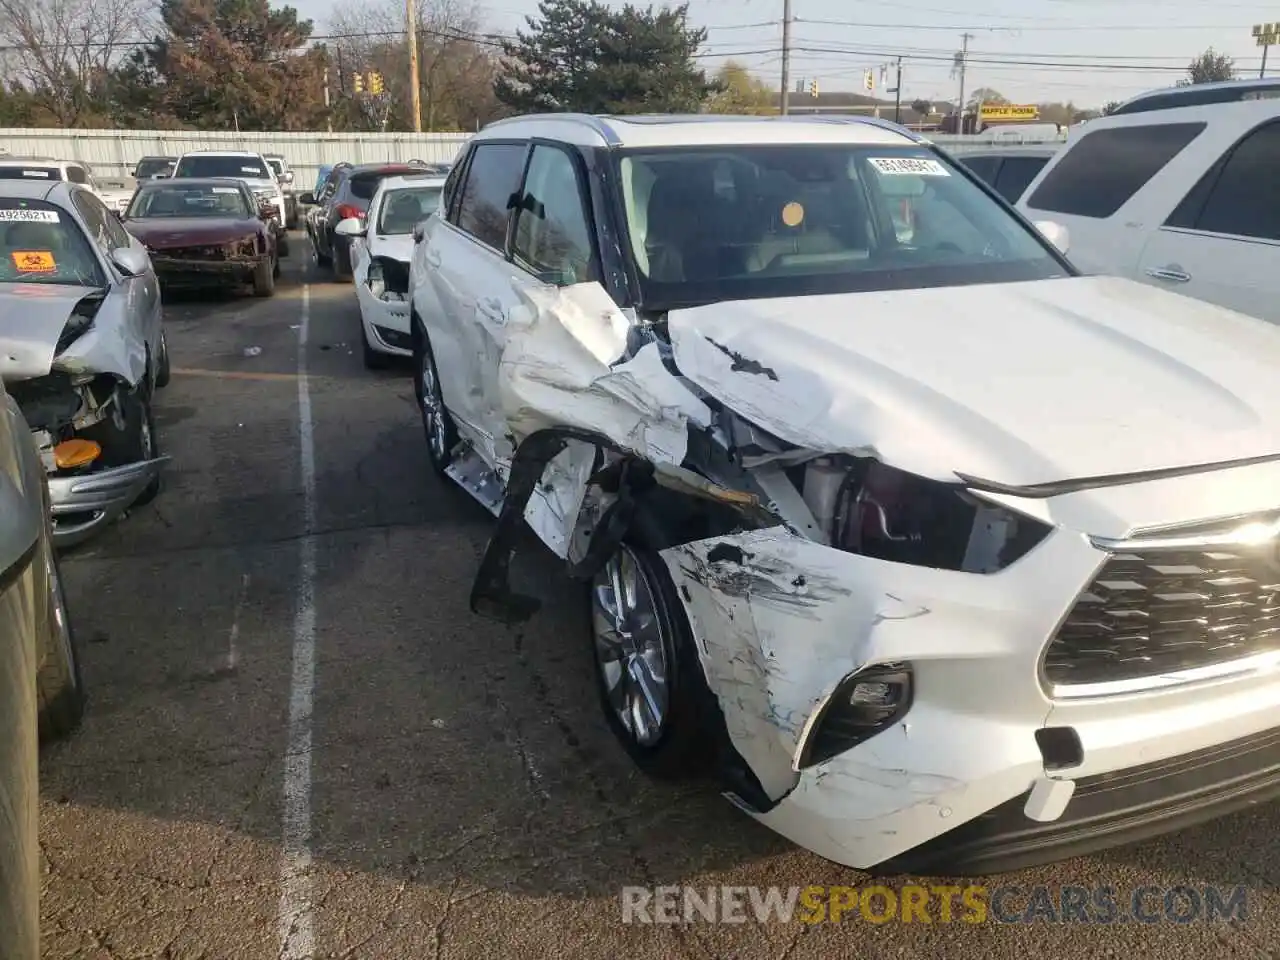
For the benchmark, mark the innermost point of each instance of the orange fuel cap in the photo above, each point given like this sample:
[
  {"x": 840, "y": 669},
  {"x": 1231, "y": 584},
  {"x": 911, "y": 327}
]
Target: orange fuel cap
[{"x": 75, "y": 453}]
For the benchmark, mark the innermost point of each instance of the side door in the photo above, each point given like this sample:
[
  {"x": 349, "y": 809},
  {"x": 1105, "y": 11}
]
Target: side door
[
  {"x": 474, "y": 284},
  {"x": 1222, "y": 241},
  {"x": 141, "y": 293}
]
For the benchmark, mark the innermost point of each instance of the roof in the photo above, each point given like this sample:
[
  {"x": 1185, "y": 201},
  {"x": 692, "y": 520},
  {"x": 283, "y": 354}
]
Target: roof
[
  {"x": 192, "y": 182},
  {"x": 12, "y": 160},
  {"x": 31, "y": 189},
  {"x": 1199, "y": 94},
  {"x": 363, "y": 168},
  {"x": 676, "y": 130},
  {"x": 220, "y": 152},
  {"x": 413, "y": 180}
]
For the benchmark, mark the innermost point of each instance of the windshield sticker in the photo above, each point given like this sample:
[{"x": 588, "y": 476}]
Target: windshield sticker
[
  {"x": 793, "y": 214},
  {"x": 908, "y": 166},
  {"x": 225, "y": 190},
  {"x": 29, "y": 216},
  {"x": 34, "y": 261},
  {"x": 42, "y": 174},
  {"x": 256, "y": 171}
]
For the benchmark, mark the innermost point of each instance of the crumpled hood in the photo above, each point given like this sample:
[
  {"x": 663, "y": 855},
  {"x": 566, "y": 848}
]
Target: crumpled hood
[
  {"x": 32, "y": 318},
  {"x": 1019, "y": 383}
]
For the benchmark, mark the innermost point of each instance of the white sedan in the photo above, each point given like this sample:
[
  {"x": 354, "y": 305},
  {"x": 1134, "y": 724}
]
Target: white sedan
[{"x": 381, "y": 247}]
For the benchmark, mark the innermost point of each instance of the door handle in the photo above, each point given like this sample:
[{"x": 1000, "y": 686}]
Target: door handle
[
  {"x": 433, "y": 258},
  {"x": 1171, "y": 274}
]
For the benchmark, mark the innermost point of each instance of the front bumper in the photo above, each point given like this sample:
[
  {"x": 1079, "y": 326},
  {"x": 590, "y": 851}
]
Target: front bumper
[
  {"x": 84, "y": 505},
  {"x": 178, "y": 272},
  {"x": 959, "y": 782}
]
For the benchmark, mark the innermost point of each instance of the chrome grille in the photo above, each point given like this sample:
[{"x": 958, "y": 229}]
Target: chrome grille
[{"x": 1159, "y": 611}]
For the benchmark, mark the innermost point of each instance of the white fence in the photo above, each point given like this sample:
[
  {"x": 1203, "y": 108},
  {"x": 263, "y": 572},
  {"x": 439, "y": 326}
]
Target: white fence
[{"x": 112, "y": 152}]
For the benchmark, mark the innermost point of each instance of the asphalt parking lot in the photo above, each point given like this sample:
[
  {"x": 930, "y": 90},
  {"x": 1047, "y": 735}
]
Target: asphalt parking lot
[{"x": 301, "y": 743}]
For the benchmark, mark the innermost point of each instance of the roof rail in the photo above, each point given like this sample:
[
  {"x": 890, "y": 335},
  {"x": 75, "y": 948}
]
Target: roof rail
[
  {"x": 1200, "y": 94},
  {"x": 599, "y": 124},
  {"x": 854, "y": 118}
]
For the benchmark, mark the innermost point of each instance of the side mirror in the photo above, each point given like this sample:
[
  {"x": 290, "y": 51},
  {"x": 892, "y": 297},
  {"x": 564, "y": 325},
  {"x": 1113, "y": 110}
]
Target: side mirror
[
  {"x": 1055, "y": 233},
  {"x": 130, "y": 262},
  {"x": 288, "y": 176},
  {"x": 350, "y": 227},
  {"x": 308, "y": 198}
]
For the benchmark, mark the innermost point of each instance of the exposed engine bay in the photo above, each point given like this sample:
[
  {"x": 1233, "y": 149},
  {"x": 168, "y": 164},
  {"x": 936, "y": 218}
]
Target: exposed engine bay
[
  {"x": 389, "y": 279},
  {"x": 63, "y": 412}
]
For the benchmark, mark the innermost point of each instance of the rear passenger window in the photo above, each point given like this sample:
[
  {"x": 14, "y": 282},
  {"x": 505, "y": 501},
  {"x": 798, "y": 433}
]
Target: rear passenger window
[
  {"x": 451, "y": 187},
  {"x": 553, "y": 233},
  {"x": 984, "y": 168},
  {"x": 1016, "y": 175},
  {"x": 492, "y": 177},
  {"x": 1098, "y": 175},
  {"x": 1245, "y": 198}
]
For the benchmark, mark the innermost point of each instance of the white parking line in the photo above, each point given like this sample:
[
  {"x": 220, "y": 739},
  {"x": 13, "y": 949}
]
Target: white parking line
[{"x": 295, "y": 920}]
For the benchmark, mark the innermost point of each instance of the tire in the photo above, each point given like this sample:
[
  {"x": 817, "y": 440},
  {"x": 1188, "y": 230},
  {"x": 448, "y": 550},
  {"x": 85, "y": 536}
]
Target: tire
[
  {"x": 322, "y": 259},
  {"x": 678, "y": 747},
  {"x": 275, "y": 267},
  {"x": 264, "y": 279},
  {"x": 373, "y": 359},
  {"x": 340, "y": 265},
  {"x": 131, "y": 442},
  {"x": 282, "y": 246},
  {"x": 59, "y": 688},
  {"x": 163, "y": 371},
  {"x": 441, "y": 434}
]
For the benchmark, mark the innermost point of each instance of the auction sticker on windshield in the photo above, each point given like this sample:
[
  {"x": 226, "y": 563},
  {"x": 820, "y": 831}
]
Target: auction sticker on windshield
[
  {"x": 34, "y": 261},
  {"x": 225, "y": 190},
  {"x": 908, "y": 166},
  {"x": 29, "y": 216}
]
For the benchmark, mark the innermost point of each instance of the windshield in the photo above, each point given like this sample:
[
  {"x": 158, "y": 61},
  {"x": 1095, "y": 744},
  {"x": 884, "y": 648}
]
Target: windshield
[
  {"x": 222, "y": 166},
  {"x": 151, "y": 166},
  {"x": 40, "y": 243},
  {"x": 176, "y": 199},
  {"x": 30, "y": 173},
  {"x": 741, "y": 222},
  {"x": 403, "y": 208}
]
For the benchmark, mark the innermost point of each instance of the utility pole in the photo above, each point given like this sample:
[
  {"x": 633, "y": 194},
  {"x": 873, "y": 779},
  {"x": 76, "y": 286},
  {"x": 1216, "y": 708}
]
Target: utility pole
[
  {"x": 784, "y": 103},
  {"x": 328, "y": 113},
  {"x": 964, "y": 56},
  {"x": 411, "y": 34},
  {"x": 897, "y": 94}
]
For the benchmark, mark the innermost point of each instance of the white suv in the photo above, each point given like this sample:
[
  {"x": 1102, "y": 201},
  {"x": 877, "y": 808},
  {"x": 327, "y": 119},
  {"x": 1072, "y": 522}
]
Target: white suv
[
  {"x": 1177, "y": 188},
  {"x": 252, "y": 168},
  {"x": 942, "y": 556}
]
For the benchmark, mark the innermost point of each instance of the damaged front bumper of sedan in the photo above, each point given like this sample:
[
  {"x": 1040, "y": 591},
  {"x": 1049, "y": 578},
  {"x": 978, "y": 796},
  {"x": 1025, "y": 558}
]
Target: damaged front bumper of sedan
[
  {"x": 207, "y": 266},
  {"x": 913, "y": 670},
  {"x": 84, "y": 504}
]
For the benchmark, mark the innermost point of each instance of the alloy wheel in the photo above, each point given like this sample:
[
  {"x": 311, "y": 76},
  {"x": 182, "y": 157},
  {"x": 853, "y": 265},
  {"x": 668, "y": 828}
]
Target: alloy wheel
[
  {"x": 433, "y": 409},
  {"x": 631, "y": 652}
]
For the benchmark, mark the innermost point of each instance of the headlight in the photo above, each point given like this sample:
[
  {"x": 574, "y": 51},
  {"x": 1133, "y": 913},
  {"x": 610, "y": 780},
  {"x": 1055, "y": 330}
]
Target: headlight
[{"x": 902, "y": 518}]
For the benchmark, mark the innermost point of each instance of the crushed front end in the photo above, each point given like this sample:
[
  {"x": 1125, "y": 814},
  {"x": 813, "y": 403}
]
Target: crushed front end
[
  {"x": 202, "y": 265},
  {"x": 70, "y": 418}
]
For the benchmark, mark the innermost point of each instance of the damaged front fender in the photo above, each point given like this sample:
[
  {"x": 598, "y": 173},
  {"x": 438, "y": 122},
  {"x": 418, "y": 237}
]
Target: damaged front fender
[{"x": 75, "y": 329}]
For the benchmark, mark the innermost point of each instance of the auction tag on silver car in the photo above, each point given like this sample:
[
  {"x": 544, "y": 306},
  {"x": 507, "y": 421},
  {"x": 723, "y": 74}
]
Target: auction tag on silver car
[
  {"x": 29, "y": 216},
  {"x": 908, "y": 166}
]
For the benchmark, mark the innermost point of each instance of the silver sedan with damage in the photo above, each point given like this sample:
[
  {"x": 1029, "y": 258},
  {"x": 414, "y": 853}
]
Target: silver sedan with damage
[
  {"x": 82, "y": 350},
  {"x": 40, "y": 690}
]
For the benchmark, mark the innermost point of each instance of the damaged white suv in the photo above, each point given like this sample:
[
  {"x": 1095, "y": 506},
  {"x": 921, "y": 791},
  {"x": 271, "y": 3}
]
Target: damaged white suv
[{"x": 944, "y": 557}]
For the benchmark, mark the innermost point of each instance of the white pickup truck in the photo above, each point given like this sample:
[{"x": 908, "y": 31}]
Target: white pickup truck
[{"x": 1176, "y": 188}]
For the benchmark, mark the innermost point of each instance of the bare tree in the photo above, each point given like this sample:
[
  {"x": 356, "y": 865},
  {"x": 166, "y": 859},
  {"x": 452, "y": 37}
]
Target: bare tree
[{"x": 63, "y": 51}]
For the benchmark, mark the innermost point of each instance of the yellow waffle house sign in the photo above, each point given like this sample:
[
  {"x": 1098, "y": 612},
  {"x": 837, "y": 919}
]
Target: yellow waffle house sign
[{"x": 1007, "y": 112}]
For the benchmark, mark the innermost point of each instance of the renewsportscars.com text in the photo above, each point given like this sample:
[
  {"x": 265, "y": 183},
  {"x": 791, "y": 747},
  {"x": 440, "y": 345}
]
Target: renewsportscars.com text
[{"x": 912, "y": 903}]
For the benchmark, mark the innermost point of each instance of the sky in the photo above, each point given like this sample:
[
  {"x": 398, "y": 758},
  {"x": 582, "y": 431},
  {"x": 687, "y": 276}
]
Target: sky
[{"x": 1030, "y": 51}]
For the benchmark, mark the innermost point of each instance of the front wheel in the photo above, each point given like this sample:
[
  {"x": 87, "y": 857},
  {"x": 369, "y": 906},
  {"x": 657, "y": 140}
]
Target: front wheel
[
  {"x": 128, "y": 435},
  {"x": 264, "y": 279},
  {"x": 647, "y": 671},
  {"x": 163, "y": 371},
  {"x": 436, "y": 422},
  {"x": 58, "y": 685}
]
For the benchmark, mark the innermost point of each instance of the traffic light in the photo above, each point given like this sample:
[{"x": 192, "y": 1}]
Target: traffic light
[
  {"x": 869, "y": 80},
  {"x": 813, "y": 88},
  {"x": 357, "y": 82},
  {"x": 375, "y": 82}
]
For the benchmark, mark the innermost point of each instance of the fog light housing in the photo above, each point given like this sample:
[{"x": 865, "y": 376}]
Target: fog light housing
[{"x": 866, "y": 702}]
